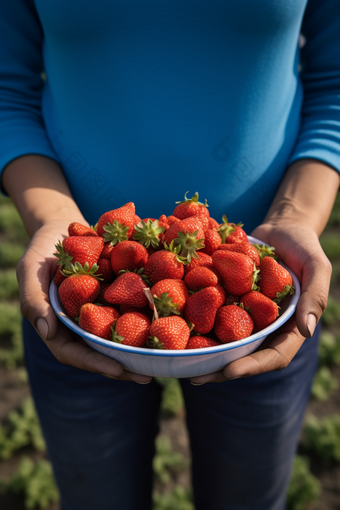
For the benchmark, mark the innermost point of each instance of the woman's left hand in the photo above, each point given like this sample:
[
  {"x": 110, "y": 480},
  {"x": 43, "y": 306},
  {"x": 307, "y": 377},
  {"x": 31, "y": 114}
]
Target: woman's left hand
[{"x": 299, "y": 248}]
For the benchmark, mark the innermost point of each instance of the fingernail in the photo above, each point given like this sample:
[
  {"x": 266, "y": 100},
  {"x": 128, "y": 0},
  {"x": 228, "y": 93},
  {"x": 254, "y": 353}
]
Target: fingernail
[
  {"x": 311, "y": 323},
  {"x": 107, "y": 375},
  {"x": 196, "y": 383},
  {"x": 147, "y": 382},
  {"x": 42, "y": 327}
]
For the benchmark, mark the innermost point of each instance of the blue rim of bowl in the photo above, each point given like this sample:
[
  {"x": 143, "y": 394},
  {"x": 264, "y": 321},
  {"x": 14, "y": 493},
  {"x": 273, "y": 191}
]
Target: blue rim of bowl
[{"x": 55, "y": 303}]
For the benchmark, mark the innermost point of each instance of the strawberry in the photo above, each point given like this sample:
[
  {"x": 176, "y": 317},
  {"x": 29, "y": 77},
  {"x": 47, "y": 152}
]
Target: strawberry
[
  {"x": 191, "y": 207},
  {"x": 220, "y": 294},
  {"x": 165, "y": 264},
  {"x": 59, "y": 277},
  {"x": 189, "y": 234},
  {"x": 132, "y": 328},
  {"x": 169, "y": 333},
  {"x": 203, "y": 260},
  {"x": 231, "y": 299},
  {"x": 164, "y": 219},
  {"x": 117, "y": 225},
  {"x": 170, "y": 297},
  {"x": 107, "y": 250},
  {"x": 127, "y": 289},
  {"x": 148, "y": 232},
  {"x": 262, "y": 310},
  {"x": 266, "y": 251},
  {"x": 232, "y": 323},
  {"x": 128, "y": 256},
  {"x": 276, "y": 281},
  {"x": 77, "y": 229},
  {"x": 105, "y": 270},
  {"x": 212, "y": 241},
  {"x": 199, "y": 278},
  {"x": 231, "y": 233},
  {"x": 171, "y": 220},
  {"x": 79, "y": 249},
  {"x": 136, "y": 219},
  {"x": 213, "y": 224},
  {"x": 98, "y": 319},
  {"x": 199, "y": 342},
  {"x": 237, "y": 271},
  {"x": 246, "y": 248},
  {"x": 100, "y": 298},
  {"x": 77, "y": 290},
  {"x": 201, "y": 309}
]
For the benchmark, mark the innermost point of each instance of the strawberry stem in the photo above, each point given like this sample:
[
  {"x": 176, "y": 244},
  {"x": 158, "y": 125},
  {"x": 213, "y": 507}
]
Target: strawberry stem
[{"x": 148, "y": 233}]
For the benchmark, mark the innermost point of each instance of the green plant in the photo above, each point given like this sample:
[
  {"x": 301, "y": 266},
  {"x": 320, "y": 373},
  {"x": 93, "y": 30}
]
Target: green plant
[
  {"x": 335, "y": 214},
  {"x": 322, "y": 437},
  {"x": 11, "y": 223},
  {"x": 330, "y": 244},
  {"x": 324, "y": 383},
  {"x": 166, "y": 460},
  {"x": 10, "y": 254},
  {"x": 178, "y": 499},
  {"x": 304, "y": 488},
  {"x": 10, "y": 332},
  {"x": 329, "y": 349},
  {"x": 23, "y": 429},
  {"x": 331, "y": 315},
  {"x": 172, "y": 398},
  {"x": 8, "y": 285},
  {"x": 36, "y": 482}
]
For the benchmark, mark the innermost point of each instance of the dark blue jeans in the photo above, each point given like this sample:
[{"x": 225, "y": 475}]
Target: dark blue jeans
[{"x": 100, "y": 433}]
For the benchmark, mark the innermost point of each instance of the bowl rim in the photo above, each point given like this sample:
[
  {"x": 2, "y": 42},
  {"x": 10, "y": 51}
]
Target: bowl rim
[{"x": 54, "y": 301}]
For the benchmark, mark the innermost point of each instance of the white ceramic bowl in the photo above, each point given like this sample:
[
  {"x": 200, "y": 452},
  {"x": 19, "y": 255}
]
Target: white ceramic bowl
[{"x": 183, "y": 363}]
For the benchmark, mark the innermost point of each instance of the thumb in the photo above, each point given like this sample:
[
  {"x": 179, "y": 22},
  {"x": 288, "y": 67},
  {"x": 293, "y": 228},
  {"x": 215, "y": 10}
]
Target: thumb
[
  {"x": 34, "y": 276},
  {"x": 315, "y": 281}
]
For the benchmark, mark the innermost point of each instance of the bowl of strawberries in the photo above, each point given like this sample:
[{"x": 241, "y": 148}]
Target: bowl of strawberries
[{"x": 179, "y": 296}]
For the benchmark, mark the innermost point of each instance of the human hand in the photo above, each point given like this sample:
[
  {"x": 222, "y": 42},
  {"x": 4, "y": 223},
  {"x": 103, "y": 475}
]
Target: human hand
[
  {"x": 299, "y": 248},
  {"x": 35, "y": 272}
]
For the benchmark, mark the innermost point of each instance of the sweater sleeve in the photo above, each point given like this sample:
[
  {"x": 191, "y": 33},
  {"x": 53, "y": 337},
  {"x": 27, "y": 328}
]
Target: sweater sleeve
[
  {"x": 319, "y": 136},
  {"x": 22, "y": 128}
]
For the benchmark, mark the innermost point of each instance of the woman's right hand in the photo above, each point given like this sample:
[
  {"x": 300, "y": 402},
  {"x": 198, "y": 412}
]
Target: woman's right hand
[{"x": 34, "y": 273}]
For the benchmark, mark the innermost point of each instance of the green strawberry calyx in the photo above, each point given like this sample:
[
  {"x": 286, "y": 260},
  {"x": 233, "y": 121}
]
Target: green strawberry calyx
[
  {"x": 154, "y": 343},
  {"x": 64, "y": 259},
  {"x": 147, "y": 233},
  {"x": 189, "y": 244},
  {"x": 115, "y": 232},
  {"x": 193, "y": 199},
  {"x": 266, "y": 251},
  {"x": 115, "y": 337},
  {"x": 226, "y": 228},
  {"x": 140, "y": 273},
  {"x": 287, "y": 291},
  {"x": 256, "y": 278},
  {"x": 165, "y": 305},
  {"x": 78, "y": 269},
  {"x": 176, "y": 251}
]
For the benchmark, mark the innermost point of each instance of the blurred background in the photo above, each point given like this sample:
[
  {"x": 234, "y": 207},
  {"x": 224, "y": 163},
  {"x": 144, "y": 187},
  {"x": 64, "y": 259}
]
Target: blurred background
[{"x": 26, "y": 478}]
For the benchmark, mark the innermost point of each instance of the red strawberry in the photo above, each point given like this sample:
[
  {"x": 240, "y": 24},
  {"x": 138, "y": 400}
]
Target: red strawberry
[
  {"x": 220, "y": 294},
  {"x": 164, "y": 264},
  {"x": 213, "y": 224},
  {"x": 189, "y": 234},
  {"x": 100, "y": 298},
  {"x": 276, "y": 281},
  {"x": 199, "y": 278},
  {"x": 136, "y": 219},
  {"x": 169, "y": 333},
  {"x": 148, "y": 232},
  {"x": 77, "y": 290},
  {"x": 203, "y": 260},
  {"x": 79, "y": 249},
  {"x": 201, "y": 309},
  {"x": 199, "y": 342},
  {"x": 107, "y": 250},
  {"x": 105, "y": 270},
  {"x": 170, "y": 297},
  {"x": 77, "y": 229},
  {"x": 231, "y": 233},
  {"x": 163, "y": 219},
  {"x": 98, "y": 319},
  {"x": 117, "y": 225},
  {"x": 191, "y": 207},
  {"x": 232, "y": 323},
  {"x": 59, "y": 277},
  {"x": 237, "y": 271},
  {"x": 132, "y": 328},
  {"x": 212, "y": 241},
  {"x": 172, "y": 220},
  {"x": 128, "y": 256},
  {"x": 127, "y": 289},
  {"x": 262, "y": 310},
  {"x": 246, "y": 248}
]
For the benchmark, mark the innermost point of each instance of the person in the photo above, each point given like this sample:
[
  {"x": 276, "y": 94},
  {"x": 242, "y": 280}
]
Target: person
[{"x": 143, "y": 101}]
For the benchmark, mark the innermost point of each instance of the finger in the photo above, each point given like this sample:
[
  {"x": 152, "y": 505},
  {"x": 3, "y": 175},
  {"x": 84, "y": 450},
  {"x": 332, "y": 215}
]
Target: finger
[
  {"x": 71, "y": 350},
  {"x": 276, "y": 356},
  {"x": 214, "y": 377},
  {"x": 34, "y": 276},
  {"x": 315, "y": 282}
]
